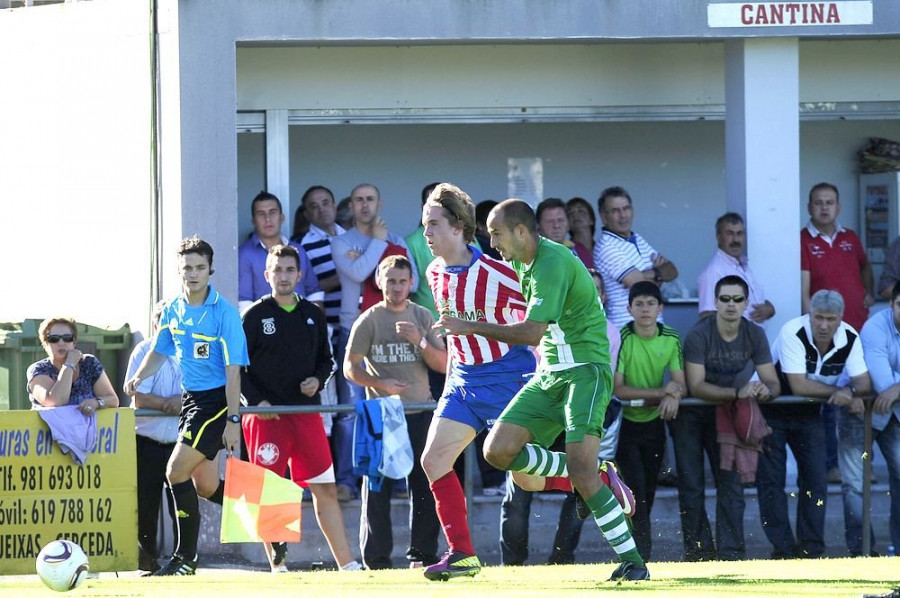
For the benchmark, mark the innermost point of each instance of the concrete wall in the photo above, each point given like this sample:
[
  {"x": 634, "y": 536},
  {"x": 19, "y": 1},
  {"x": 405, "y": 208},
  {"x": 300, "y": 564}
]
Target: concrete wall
[
  {"x": 75, "y": 162},
  {"x": 479, "y": 76},
  {"x": 673, "y": 166},
  {"x": 364, "y": 21},
  {"x": 654, "y": 76}
]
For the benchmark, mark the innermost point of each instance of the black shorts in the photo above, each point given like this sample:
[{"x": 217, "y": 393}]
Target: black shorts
[{"x": 203, "y": 420}]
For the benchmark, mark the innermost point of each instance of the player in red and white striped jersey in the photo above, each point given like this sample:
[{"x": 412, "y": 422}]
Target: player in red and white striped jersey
[
  {"x": 483, "y": 375},
  {"x": 487, "y": 289}
]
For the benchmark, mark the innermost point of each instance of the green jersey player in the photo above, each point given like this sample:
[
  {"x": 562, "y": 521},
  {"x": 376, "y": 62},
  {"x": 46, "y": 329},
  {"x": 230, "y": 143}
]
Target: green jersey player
[{"x": 573, "y": 383}]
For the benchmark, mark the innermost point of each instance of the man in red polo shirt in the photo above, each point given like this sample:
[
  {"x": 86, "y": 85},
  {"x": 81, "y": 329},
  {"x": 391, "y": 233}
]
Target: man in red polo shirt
[{"x": 832, "y": 257}]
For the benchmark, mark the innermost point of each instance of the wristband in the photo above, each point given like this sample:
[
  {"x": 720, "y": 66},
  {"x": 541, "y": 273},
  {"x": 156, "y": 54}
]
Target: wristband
[
  {"x": 69, "y": 365},
  {"x": 423, "y": 343}
]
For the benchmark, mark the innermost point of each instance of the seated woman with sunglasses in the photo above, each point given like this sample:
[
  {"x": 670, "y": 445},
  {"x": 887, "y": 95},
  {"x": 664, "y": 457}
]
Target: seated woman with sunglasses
[{"x": 67, "y": 376}]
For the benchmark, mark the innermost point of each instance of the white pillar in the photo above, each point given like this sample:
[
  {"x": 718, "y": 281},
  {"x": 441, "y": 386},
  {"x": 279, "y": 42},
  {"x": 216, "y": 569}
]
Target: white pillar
[
  {"x": 278, "y": 166},
  {"x": 762, "y": 156},
  {"x": 206, "y": 143}
]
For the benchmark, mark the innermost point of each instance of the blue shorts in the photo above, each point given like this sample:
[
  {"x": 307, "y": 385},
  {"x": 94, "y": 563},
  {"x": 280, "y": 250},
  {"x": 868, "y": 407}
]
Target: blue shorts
[{"x": 476, "y": 406}]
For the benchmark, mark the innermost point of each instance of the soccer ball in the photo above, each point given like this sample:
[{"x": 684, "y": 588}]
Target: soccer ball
[{"x": 62, "y": 565}]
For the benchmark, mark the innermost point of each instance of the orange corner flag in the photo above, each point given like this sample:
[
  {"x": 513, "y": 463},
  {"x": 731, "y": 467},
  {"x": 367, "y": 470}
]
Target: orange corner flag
[{"x": 259, "y": 505}]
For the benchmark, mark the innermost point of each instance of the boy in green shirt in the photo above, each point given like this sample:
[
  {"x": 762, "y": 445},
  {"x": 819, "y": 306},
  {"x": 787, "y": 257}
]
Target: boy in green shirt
[
  {"x": 572, "y": 386},
  {"x": 648, "y": 349}
]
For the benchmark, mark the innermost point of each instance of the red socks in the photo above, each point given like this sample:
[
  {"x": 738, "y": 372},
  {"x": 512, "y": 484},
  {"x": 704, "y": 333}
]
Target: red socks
[{"x": 450, "y": 503}]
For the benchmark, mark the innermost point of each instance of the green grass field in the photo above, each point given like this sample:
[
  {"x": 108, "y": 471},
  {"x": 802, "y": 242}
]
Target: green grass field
[{"x": 813, "y": 578}]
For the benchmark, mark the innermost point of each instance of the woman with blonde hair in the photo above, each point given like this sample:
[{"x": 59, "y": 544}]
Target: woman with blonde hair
[{"x": 67, "y": 376}]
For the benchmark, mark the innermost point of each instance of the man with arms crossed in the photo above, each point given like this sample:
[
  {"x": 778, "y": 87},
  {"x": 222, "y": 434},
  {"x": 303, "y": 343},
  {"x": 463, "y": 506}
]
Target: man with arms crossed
[
  {"x": 203, "y": 332},
  {"x": 356, "y": 255},
  {"x": 290, "y": 361},
  {"x": 484, "y": 373},
  {"x": 573, "y": 385}
]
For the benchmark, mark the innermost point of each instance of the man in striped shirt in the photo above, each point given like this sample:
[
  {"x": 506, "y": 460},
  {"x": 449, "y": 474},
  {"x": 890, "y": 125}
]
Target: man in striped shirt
[
  {"x": 484, "y": 373},
  {"x": 623, "y": 257},
  {"x": 319, "y": 207}
]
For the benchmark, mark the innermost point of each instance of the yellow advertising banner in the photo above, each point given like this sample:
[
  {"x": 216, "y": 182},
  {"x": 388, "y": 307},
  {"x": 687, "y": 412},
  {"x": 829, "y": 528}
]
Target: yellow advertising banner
[{"x": 45, "y": 495}]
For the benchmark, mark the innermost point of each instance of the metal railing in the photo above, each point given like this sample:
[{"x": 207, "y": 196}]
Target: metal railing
[
  {"x": 867, "y": 447},
  {"x": 470, "y": 458}
]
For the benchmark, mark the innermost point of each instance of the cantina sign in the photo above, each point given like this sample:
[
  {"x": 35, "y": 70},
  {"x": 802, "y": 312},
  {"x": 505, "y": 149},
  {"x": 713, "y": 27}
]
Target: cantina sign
[{"x": 788, "y": 14}]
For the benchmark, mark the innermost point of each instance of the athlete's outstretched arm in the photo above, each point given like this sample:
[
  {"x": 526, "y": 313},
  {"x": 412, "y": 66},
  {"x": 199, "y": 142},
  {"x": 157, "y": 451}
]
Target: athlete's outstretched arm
[{"x": 526, "y": 332}]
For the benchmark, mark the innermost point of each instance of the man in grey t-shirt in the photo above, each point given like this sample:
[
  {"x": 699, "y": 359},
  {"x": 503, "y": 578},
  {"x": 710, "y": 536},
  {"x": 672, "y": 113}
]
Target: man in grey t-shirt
[{"x": 718, "y": 354}]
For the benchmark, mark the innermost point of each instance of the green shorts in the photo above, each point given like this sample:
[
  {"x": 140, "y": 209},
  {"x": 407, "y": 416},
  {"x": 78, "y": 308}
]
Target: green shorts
[{"x": 573, "y": 400}]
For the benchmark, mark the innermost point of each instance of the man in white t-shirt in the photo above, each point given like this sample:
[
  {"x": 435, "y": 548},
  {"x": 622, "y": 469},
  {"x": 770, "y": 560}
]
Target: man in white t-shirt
[{"x": 811, "y": 354}]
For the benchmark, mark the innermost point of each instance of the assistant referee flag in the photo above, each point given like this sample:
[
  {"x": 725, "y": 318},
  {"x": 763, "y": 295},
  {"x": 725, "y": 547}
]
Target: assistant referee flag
[{"x": 259, "y": 505}]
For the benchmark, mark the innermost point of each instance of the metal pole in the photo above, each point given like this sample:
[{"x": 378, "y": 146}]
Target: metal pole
[{"x": 867, "y": 480}]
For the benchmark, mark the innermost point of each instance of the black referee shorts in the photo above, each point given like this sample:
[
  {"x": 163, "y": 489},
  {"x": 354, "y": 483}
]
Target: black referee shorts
[{"x": 202, "y": 421}]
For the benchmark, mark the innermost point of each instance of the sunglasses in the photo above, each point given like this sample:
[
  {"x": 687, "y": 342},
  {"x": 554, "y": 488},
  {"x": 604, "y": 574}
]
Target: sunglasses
[
  {"x": 55, "y": 338},
  {"x": 731, "y": 298}
]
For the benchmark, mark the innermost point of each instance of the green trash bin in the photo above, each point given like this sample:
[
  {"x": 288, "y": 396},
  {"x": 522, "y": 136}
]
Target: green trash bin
[{"x": 20, "y": 346}]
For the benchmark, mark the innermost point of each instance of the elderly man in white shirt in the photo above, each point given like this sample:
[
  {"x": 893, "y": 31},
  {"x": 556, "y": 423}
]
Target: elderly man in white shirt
[
  {"x": 729, "y": 259},
  {"x": 814, "y": 355}
]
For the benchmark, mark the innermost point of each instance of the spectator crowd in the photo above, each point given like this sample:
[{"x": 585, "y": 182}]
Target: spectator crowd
[{"x": 350, "y": 310}]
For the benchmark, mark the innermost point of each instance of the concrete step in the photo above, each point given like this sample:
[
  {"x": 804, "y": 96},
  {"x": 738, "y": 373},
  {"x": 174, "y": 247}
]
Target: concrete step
[{"x": 485, "y": 525}]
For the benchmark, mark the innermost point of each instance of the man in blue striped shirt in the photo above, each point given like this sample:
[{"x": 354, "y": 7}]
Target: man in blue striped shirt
[{"x": 320, "y": 210}]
